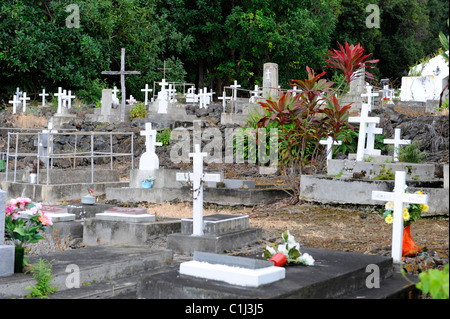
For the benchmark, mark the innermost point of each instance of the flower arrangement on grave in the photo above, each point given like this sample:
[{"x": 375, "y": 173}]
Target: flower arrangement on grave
[
  {"x": 25, "y": 224},
  {"x": 149, "y": 179},
  {"x": 411, "y": 213},
  {"x": 90, "y": 192},
  {"x": 288, "y": 252}
]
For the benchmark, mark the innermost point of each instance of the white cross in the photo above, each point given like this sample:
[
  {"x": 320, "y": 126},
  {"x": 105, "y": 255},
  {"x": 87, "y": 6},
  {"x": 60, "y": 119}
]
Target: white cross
[
  {"x": 256, "y": 94},
  {"x": 329, "y": 143},
  {"x": 191, "y": 97},
  {"x": 295, "y": 91},
  {"x": 15, "y": 102},
  {"x": 371, "y": 131},
  {"x": 19, "y": 93},
  {"x": 64, "y": 101},
  {"x": 398, "y": 197},
  {"x": 369, "y": 96},
  {"x": 146, "y": 90},
  {"x": 363, "y": 119},
  {"x": 115, "y": 91},
  {"x": 69, "y": 98},
  {"x": 234, "y": 88},
  {"x": 397, "y": 142},
  {"x": 43, "y": 94},
  {"x": 150, "y": 138},
  {"x": 203, "y": 97},
  {"x": 197, "y": 177},
  {"x": 224, "y": 99},
  {"x": 24, "y": 99},
  {"x": 163, "y": 84},
  {"x": 60, "y": 96}
]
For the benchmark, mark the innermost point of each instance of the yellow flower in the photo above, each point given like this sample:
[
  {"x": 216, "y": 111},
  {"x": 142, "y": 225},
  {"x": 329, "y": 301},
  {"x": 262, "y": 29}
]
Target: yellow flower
[
  {"x": 389, "y": 219},
  {"x": 419, "y": 192},
  {"x": 424, "y": 208},
  {"x": 405, "y": 215}
]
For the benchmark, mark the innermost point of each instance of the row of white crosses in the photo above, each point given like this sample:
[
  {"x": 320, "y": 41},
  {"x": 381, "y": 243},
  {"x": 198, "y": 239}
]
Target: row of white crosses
[
  {"x": 399, "y": 197},
  {"x": 64, "y": 99}
]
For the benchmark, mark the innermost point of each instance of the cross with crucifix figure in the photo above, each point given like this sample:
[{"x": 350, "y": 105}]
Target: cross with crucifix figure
[
  {"x": 396, "y": 141},
  {"x": 399, "y": 197},
  {"x": 122, "y": 74},
  {"x": 197, "y": 177}
]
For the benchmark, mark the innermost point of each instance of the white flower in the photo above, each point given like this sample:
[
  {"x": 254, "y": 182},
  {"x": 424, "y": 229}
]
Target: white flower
[
  {"x": 306, "y": 259},
  {"x": 389, "y": 206},
  {"x": 271, "y": 250},
  {"x": 290, "y": 241},
  {"x": 282, "y": 249}
]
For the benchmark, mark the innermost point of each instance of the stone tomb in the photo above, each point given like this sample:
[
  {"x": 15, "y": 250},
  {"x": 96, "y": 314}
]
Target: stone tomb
[
  {"x": 58, "y": 213},
  {"x": 127, "y": 225},
  {"x": 233, "y": 270}
]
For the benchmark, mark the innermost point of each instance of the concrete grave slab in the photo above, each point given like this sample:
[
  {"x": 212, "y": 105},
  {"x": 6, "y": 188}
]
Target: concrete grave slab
[
  {"x": 58, "y": 213},
  {"x": 126, "y": 214}
]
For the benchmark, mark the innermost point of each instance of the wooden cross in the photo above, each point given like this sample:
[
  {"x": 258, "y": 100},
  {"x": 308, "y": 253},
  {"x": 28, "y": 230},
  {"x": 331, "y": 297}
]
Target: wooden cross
[
  {"x": 24, "y": 99},
  {"x": 399, "y": 197},
  {"x": 197, "y": 177},
  {"x": 164, "y": 69},
  {"x": 146, "y": 90},
  {"x": 122, "y": 74},
  {"x": 363, "y": 119},
  {"x": 397, "y": 142},
  {"x": 15, "y": 102},
  {"x": 43, "y": 94},
  {"x": 329, "y": 143}
]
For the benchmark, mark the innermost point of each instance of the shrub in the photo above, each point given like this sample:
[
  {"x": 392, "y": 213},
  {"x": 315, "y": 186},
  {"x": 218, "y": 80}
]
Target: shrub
[{"x": 138, "y": 111}]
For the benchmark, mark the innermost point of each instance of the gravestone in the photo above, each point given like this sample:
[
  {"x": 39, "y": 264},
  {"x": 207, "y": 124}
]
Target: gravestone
[
  {"x": 126, "y": 214},
  {"x": 45, "y": 143},
  {"x": 256, "y": 94},
  {"x": 58, "y": 213},
  {"x": 107, "y": 102},
  {"x": 397, "y": 141},
  {"x": 122, "y": 74},
  {"x": 191, "y": 97},
  {"x": 149, "y": 160},
  {"x": 15, "y": 102},
  {"x": 270, "y": 80},
  {"x": 399, "y": 197},
  {"x": 43, "y": 95},
  {"x": 6, "y": 251},
  {"x": 363, "y": 120},
  {"x": 162, "y": 101}
]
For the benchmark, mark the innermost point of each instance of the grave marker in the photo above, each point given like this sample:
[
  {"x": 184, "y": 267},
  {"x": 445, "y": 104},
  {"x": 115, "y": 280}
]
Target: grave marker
[
  {"x": 43, "y": 94},
  {"x": 224, "y": 99},
  {"x": 24, "y": 99},
  {"x": 60, "y": 96},
  {"x": 371, "y": 131},
  {"x": 191, "y": 97},
  {"x": 146, "y": 90},
  {"x": 126, "y": 214},
  {"x": 149, "y": 160},
  {"x": 270, "y": 80},
  {"x": 329, "y": 143},
  {"x": 399, "y": 197},
  {"x": 15, "y": 102},
  {"x": 6, "y": 251},
  {"x": 69, "y": 98},
  {"x": 197, "y": 177},
  {"x": 369, "y": 96},
  {"x": 234, "y": 87},
  {"x": 396, "y": 141},
  {"x": 122, "y": 74},
  {"x": 363, "y": 119}
]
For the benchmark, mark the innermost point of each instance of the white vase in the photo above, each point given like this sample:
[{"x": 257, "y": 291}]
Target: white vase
[
  {"x": 33, "y": 178},
  {"x": 88, "y": 199}
]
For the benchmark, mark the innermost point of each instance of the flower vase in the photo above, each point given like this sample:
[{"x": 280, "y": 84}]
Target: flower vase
[
  {"x": 88, "y": 199},
  {"x": 147, "y": 184},
  {"x": 19, "y": 254},
  {"x": 409, "y": 248}
]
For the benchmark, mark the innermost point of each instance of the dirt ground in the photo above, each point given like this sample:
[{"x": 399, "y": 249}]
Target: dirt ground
[{"x": 327, "y": 227}]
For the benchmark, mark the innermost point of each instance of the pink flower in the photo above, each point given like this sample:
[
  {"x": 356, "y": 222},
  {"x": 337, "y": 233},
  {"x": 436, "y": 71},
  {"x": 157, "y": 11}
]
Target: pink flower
[
  {"x": 45, "y": 220},
  {"x": 9, "y": 210},
  {"x": 23, "y": 201}
]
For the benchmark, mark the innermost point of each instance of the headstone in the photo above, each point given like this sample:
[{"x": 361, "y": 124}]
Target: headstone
[
  {"x": 149, "y": 160},
  {"x": 163, "y": 98},
  {"x": 191, "y": 97},
  {"x": 15, "y": 102},
  {"x": 69, "y": 98},
  {"x": 396, "y": 141},
  {"x": 43, "y": 94},
  {"x": 203, "y": 98},
  {"x": 6, "y": 251},
  {"x": 329, "y": 143},
  {"x": 122, "y": 74},
  {"x": 224, "y": 99},
  {"x": 234, "y": 87},
  {"x": 270, "y": 80},
  {"x": 60, "y": 96},
  {"x": 399, "y": 197},
  {"x": 45, "y": 144},
  {"x": 24, "y": 99},
  {"x": 106, "y": 102},
  {"x": 146, "y": 90},
  {"x": 126, "y": 214},
  {"x": 363, "y": 119},
  {"x": 58, "y": 213},
  {"x": 197, "y": 177}
]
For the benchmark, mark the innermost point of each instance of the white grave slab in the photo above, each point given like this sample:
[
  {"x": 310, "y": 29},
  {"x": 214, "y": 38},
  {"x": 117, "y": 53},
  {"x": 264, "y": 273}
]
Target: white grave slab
[
  {"x": 58, "y": 213},
  {"x": 399, "y": 197},
  {"x": 126, "y": 214}
]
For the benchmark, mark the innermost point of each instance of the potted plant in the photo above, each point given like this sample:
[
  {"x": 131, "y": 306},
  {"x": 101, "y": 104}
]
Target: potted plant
[
  {"x": 89, "y": 198},
  {"x": 25, "y": 224},
  {"x": 148, "y": 182}
]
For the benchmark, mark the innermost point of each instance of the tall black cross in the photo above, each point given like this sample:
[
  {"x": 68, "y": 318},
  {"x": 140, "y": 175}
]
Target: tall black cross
[{"x": 122, "y": 74}]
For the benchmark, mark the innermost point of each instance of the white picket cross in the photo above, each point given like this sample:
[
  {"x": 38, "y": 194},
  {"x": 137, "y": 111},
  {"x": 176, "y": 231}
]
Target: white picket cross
[
  {"x": 24, "y": 99},
  {"x": 399, "y": 197},
  {"x": 43, "y": 94},
  {"x": 146, "y": 90}
]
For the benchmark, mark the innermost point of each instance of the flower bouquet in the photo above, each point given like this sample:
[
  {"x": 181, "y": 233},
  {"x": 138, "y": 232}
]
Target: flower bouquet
[
  {"x": 148, "y": 182},
  {"x": 89, "y": 198},
  {"x": 25, "y": 224},
  {"x": 411, "y": 213},
  {"x": 287, "y": 253}
]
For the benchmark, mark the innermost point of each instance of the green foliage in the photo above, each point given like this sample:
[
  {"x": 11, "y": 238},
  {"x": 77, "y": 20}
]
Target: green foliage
[
  {"x": 164, "y": 137},
  {"x": 385, "y": 175},
  {"x": 435, "y": 283},
  {"x": 411, "y": 153},
  {"x": 42, "y": 273},
  {"x": 138, "y": 111}
]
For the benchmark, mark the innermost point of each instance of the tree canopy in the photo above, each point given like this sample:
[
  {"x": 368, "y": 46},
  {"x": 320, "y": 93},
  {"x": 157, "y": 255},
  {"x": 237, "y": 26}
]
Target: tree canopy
[{"x": 206, "y": 42}]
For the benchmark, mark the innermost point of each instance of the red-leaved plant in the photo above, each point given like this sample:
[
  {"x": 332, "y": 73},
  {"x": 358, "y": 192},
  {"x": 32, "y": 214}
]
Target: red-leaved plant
[{"x": 315, "y": 114}]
